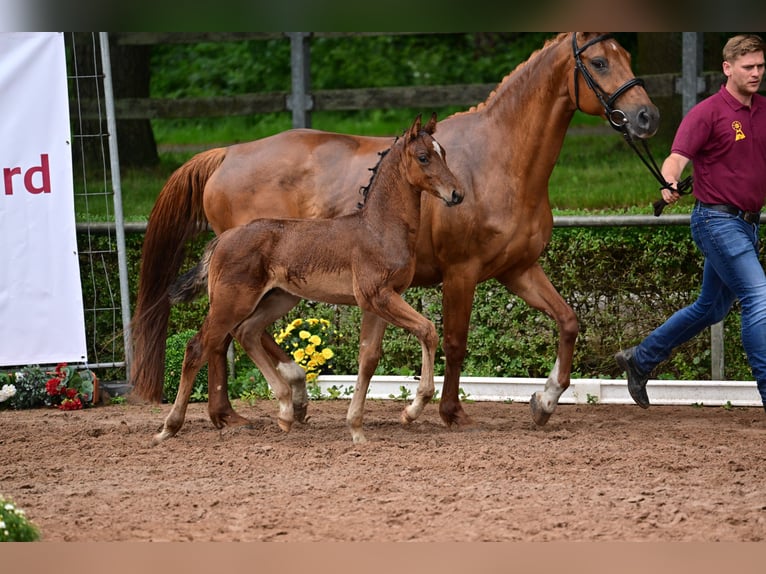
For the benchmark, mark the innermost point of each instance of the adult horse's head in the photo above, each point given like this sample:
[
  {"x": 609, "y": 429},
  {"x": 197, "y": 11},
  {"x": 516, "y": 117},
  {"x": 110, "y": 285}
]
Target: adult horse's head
[
  {"x": 603, "y": 84},
  {"x": 427, "y": 162}
]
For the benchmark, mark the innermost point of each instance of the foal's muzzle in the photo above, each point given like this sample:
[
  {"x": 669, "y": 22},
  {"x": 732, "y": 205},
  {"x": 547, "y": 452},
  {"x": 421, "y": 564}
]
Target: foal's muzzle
[{"x": 457, "y": 198}]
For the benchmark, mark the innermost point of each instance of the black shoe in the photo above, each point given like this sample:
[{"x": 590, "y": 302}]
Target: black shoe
[{"x": 636, "y": 380}]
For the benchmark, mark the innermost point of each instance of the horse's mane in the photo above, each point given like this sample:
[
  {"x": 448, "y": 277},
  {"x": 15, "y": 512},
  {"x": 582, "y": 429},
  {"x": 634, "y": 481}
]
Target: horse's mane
[
  {"x": 365, "y": 189},
  {"x": 517, "y": 70}
]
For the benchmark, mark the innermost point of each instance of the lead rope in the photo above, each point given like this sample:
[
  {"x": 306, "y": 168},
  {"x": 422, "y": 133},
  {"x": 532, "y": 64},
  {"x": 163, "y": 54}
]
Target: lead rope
[{"x": 683, "y": 187}]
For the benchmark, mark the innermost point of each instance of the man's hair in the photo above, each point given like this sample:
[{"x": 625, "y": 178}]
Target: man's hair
[{"x": 742, "y": 44}]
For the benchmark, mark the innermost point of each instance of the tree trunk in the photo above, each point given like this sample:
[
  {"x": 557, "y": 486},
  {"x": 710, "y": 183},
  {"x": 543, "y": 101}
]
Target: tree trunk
[{"x": 130, "y": 78}]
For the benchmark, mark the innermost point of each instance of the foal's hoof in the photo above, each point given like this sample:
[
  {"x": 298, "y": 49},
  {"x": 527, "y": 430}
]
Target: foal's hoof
[
  {"x": 539, "y": 414},
  {"x": 284, "y": 424},
  {"x": 405, "y": 418}
]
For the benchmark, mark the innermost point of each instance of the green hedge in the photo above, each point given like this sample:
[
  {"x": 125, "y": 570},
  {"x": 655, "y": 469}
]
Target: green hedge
[{"x": 621, "y": 281}]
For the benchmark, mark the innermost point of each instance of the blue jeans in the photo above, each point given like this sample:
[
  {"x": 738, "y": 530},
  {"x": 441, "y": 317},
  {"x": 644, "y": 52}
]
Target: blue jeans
[{"x": 732, "y": 271}]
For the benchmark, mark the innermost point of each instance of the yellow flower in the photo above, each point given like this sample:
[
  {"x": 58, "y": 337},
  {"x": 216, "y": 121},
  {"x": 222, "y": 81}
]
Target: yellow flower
[
  {"x": 304, "y": 334},
  {"x": 299, "y": 354},
  {"x": 315, "y": 340},
  {"x": 327, "y": 353},
  {"x": 311, "y": 377}
]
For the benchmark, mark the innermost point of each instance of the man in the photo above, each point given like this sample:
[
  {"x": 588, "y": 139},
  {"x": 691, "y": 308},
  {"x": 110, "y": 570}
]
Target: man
[{"x": 724, "y": 137}]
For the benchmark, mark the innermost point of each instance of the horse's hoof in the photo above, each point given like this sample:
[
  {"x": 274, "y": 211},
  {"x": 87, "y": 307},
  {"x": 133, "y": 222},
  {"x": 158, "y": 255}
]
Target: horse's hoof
[
  {"x": 457, "y": 417},
  {"x": 405, "y": 418},
  {"x": 539, "y": 415},
  {"x": 229, "y": 418},
  {"x": 358, "y": 437},
  {"x": 299, "y": 412},
  {"x": 161, "y": 436},
  {"x": 284, "y": 424}
]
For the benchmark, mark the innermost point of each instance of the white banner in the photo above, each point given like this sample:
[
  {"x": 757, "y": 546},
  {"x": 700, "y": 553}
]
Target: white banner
[{"x": 41, "y": 310}]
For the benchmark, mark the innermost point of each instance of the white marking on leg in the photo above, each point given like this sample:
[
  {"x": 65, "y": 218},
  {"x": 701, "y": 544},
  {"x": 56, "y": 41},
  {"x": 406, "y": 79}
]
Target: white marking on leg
[{"x": 553, "y": 390}]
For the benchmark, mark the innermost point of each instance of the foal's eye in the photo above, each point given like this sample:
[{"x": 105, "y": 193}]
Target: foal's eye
[
  {"x": 423, "y": 158},
  {"x": 599, "y": 64}
]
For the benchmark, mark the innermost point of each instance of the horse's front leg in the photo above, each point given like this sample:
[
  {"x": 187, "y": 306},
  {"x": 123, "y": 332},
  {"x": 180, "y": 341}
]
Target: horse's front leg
[
  {"x": 370, "y": 343},
  {"x": 536, "y": 289},
  {"x": 457, "y": 300}
]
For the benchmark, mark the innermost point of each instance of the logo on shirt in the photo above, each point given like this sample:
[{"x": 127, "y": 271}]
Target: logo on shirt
[{"x": 738, "y": 133}]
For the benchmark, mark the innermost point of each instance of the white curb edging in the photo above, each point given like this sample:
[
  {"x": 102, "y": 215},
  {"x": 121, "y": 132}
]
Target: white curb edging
[{"x": 604, "y": 391}]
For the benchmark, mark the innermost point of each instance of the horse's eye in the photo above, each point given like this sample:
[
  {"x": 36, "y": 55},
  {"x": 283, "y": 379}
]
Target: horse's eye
[
  {"x": 423, "y": 158},
  {"x": 599, "y": 64}
]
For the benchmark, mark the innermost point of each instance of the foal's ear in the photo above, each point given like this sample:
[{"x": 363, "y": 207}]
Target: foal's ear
[
  {"x": 431, "y": 125},
  {"x": 416, "y": 127}
]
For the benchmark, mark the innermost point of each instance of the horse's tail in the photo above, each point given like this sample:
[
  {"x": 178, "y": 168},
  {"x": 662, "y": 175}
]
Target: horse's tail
[
  {"x": 177, "y": 217},
  {"x": 193, "y": 283}
]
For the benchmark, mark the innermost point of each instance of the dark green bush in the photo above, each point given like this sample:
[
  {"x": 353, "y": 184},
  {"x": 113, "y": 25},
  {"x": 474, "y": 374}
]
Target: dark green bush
[
  {"x": 174, "y": 359},
  {"x": 621, "y": 281}
]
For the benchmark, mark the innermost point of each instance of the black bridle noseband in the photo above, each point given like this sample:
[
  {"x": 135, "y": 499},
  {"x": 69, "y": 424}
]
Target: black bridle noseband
[{"x": 619, "y": 119}]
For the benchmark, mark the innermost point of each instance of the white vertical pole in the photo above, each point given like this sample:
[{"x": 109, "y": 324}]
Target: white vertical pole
[{"x": 119, "y": 221}]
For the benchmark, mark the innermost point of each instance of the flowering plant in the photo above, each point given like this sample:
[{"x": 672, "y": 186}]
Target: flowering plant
[
  {"x": 304, "y": 339},
  {"x": 70, "y": 389},
  {"x": 14, "y": 525},
  {"x": 6, "y": 392}
]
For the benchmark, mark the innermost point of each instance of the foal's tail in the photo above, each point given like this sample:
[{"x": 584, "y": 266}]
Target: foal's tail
[
  {"x": 193, "y": 283},
  {"x": 177, "y": 217}
]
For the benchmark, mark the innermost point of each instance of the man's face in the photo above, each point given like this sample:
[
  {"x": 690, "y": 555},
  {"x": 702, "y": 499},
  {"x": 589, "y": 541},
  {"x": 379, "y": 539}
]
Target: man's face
[{"x": 745, "y": 73}]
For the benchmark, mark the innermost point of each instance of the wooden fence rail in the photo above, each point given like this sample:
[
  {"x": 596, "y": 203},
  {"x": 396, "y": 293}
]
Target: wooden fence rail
[{"x": 303, "y": 101}]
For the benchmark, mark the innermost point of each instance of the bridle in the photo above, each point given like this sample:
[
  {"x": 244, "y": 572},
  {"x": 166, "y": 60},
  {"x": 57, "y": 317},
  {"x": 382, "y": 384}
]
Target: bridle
[{"x": 619, "y": 119}]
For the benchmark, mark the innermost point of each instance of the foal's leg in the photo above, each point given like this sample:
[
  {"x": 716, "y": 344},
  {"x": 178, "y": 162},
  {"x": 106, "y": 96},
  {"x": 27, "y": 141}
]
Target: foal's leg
[
  {"x": 199, "y": 348},
  {"x": 390, "y": 306},
  {"x": 370, "y": 339},
  {"x": 249, "y": 334},
  {"x": 536, "y": 289},
  {"x": 292, "y": 373}
]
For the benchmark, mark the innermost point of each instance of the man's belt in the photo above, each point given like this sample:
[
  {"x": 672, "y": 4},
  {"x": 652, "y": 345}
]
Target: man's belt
[{"x": 749, "y": 216}]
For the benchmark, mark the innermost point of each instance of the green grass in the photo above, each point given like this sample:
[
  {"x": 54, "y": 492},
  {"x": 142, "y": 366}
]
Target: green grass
[{"x": 596, "y": 170}]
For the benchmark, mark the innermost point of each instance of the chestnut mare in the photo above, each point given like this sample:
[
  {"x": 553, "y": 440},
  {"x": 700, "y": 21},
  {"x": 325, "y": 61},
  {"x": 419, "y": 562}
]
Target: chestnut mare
[
  {"x": 503, "y": 151},
  {"x": 257, "y": 272}
]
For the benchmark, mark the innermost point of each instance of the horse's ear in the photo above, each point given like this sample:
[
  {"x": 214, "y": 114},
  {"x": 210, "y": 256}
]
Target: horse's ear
[
  {"x": 431, "y": 125},
  {"x": 416, "y": 127}
]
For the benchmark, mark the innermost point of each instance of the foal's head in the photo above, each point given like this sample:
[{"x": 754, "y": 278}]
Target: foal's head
[{"x": 425, "y": 163}]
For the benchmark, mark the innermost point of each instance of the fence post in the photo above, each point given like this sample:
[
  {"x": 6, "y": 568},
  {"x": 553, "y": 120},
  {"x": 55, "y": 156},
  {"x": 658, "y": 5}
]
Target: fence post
[{"x": 300, "y": 101}]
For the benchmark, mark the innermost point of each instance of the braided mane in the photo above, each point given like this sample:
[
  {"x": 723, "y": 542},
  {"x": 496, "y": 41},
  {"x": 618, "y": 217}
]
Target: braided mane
[{"x": 365, "y": 189}]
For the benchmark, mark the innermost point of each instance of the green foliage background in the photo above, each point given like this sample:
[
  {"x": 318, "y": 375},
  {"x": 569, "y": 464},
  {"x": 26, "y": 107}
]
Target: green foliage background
[{"x": 621, "y": 282}]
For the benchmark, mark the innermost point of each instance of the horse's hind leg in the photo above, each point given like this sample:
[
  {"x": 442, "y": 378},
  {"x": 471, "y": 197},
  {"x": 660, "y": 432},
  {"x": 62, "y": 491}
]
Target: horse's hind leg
[
  {"x": 250, "y": 334},
  {"x": 370, "y": 339},
  {"x": 292, "y": 373},
  {"x": 219, "y": 407}
]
